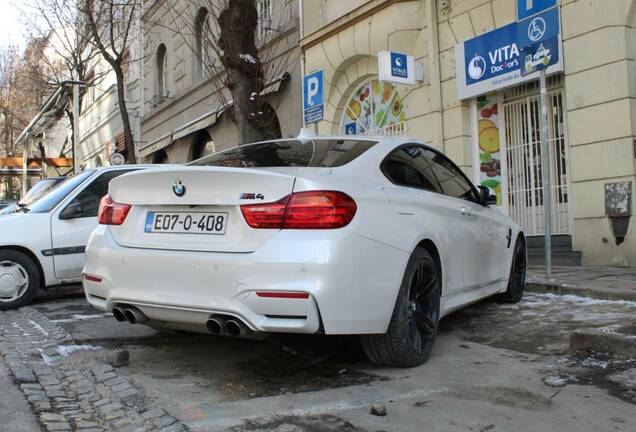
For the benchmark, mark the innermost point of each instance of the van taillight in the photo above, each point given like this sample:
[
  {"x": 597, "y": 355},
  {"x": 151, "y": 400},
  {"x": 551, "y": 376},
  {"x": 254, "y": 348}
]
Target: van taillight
[
  {"x": 112, "y": 213},
  {"x": 303, "y": 210}
]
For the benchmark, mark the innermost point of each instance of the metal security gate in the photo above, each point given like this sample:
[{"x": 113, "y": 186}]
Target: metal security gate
[{"x": 521, "y": 109}]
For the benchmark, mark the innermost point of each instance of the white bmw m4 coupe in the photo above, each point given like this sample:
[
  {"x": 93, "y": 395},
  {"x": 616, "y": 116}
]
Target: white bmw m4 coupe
[{"x": 334, "y": 235}]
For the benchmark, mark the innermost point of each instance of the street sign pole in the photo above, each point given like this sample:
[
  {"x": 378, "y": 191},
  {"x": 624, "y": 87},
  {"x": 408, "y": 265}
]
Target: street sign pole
[{"x": 545, "y": 173}]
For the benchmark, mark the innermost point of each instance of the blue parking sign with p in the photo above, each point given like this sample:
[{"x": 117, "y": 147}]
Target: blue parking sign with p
[
  {"x": 313, "y": 101},
  {"x": 528, "y": 8}
]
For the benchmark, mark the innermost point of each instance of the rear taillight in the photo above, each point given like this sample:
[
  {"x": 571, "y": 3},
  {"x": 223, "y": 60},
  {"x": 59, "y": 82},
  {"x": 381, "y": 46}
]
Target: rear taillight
[
  {"x": 112, "y": 213},
  {"x": 303, "y": 210}
]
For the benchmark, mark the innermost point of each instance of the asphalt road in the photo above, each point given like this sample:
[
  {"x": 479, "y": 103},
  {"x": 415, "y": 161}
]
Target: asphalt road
[{"x": 494, "y": 368}]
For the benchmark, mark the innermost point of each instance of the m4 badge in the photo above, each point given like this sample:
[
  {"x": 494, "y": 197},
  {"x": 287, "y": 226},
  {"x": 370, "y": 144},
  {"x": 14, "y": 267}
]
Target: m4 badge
[{"x": 251, "y": 196}]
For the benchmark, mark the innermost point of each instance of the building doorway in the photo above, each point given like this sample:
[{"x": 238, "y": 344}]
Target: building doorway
[{"x": 521, "y": 110}]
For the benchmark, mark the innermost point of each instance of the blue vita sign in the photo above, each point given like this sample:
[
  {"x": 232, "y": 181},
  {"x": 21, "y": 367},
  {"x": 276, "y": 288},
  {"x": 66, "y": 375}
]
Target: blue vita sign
[
  {"x": 492, "y": 54},
  {"x": 399, "y": 65},
  {"x": 495, "y": 60},
  {"x": 527, "y": 8},
  {"x": 313, "y": 97}
]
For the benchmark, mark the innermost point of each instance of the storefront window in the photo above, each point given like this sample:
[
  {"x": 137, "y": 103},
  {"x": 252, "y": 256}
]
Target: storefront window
[{"x": 376, "y": 108}]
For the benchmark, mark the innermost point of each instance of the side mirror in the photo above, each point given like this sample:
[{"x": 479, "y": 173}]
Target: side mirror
[
  {"x": 71, "y": 211},
  {"x": 485, "y": 198}
]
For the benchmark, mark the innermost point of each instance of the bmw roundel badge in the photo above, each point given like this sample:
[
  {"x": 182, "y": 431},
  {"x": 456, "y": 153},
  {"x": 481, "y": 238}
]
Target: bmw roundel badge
[{"x": 179, "y": 188}]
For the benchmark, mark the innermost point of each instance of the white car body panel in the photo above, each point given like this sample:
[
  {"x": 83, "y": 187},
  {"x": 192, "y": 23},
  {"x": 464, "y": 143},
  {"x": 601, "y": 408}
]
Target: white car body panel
[
  {"x": 352, "y": 274},
  {"x": 58, "y": 245}
]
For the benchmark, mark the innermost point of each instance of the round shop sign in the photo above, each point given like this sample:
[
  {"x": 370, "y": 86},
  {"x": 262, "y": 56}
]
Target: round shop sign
[
  {"x": 477, "y": 67},
  {"x": 117, "y": 159}
]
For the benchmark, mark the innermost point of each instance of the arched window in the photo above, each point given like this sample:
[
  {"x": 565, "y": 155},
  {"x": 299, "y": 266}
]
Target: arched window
[
  {"x": 202, "y": 42},
  {"x": 375, "y": 108},
  {"x": 160, "y": 157},
  {"x": 202, "y": 145},
  {"x": 162, "y": 72}
]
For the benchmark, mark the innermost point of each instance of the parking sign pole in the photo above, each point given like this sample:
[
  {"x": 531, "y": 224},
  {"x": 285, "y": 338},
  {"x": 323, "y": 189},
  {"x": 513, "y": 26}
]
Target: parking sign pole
[{"x": 545, "y": 173}]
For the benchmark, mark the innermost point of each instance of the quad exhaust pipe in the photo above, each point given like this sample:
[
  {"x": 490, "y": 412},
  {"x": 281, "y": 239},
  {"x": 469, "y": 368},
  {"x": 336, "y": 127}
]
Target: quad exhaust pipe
[
  {"x": 118, "y": 313},
  {"x": 235, "y": 328},
  {"x": 129, "y": 313},
  {"x": 227, "y": 326},
  {"x": 215, "y": 325}
]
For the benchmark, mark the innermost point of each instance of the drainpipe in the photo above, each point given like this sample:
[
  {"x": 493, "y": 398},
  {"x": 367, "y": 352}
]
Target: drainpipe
[
  {"x": 141, "y": 84},
  {"x": 76, "y": 128},
  {"x": 432, "y": 35}
]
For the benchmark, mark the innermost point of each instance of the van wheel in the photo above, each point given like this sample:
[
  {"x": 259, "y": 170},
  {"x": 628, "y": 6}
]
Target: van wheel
[
  {"x": 412, "y": 331},
  {"x": 518, "y": 271},
  {"x": 19, "y": 279}
]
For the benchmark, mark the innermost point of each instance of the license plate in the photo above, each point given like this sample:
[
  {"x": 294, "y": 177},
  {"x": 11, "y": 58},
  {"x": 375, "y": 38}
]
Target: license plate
[{"x": 186, "y": 223}]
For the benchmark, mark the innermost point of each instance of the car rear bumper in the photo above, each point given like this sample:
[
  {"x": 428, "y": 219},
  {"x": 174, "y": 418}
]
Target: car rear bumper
[{"x": 351, "y": 282}]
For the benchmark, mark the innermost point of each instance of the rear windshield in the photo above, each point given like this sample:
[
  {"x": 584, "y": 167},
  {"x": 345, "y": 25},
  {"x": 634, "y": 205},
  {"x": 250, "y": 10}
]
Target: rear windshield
[{"x": 310, "y": 153}]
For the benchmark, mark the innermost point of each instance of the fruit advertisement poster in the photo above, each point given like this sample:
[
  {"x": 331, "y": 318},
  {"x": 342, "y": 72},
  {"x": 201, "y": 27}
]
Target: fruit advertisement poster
[
  {"x": 489, "y": 145},
  {"x": 373, "y": 107}
]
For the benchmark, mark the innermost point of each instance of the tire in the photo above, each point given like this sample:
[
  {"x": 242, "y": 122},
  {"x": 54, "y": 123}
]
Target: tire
[
  {"x": 517, "y": 280},
  {"x": 19, "y": 279},
  {"x": 411, "y": 335}
]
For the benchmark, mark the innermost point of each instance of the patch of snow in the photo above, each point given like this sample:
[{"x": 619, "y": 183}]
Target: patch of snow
[
  {"x": 594, "y": 363},
  {"x": 79, "y": 317},
  {"x": 39, "y": 327},
  {"x": 65, "y": 350},
  {"x": 558, "y": 380},
  {"x": 545, "y": 299},
  {"x": 47, "y": 359},
  {"x": 248, "y": 58}
]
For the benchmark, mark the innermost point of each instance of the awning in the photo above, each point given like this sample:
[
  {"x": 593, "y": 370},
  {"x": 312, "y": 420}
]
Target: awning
[
  {"x": 16, "y": 162},
  {"x": 276, "y": 84},
  {"x": 202, "y": 122},
  {"x": 208, "y": 119}
]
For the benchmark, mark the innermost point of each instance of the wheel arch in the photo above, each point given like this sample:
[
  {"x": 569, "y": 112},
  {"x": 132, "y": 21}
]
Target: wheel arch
[
  {"x": 28, "y": 252},
  {"x": 431, "y": 248}
]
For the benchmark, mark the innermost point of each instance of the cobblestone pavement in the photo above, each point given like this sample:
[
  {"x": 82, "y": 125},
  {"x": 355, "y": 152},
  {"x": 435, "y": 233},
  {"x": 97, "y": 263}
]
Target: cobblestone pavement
[
  {"x": 590, "y": 281},
  {"x": 65, "y": 396},
  {"x": 495, "y": 368}
]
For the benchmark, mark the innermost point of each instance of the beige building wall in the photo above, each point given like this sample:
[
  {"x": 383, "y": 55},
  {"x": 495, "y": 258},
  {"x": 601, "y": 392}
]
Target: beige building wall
[
  {"x": 171, "y": 123},
  {"x": 599, "y": 39}
]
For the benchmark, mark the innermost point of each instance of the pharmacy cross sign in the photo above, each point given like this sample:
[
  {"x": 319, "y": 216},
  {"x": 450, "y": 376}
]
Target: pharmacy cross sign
[{"x": 528, "y": 8}]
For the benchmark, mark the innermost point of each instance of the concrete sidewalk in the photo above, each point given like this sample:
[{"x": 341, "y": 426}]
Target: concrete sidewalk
[{"x": 589, "y": 281}]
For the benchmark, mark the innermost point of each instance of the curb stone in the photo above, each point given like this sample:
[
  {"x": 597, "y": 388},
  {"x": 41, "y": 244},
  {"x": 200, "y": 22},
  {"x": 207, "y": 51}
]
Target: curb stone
[{"x": 599, "y": 293}]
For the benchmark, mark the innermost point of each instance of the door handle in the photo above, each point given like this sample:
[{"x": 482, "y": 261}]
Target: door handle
[{"x": 465, "y": 211}]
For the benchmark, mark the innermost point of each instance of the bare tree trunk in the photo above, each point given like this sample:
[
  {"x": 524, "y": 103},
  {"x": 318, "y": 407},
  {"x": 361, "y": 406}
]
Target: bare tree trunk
[
  {"x": 238, "y": 23},
  {"x": 125, "y": 118}
]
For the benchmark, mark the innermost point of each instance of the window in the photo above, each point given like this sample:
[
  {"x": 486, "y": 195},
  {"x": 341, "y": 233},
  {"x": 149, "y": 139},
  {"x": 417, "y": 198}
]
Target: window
[
  {"x": 264, "y": 9},
  {"x": 205, "y": 60},
  {"x": 411, "y": 166},
  {"x": 202, "y": 145},
  {"x": 453, "y": 181},
  {"x": 59, "y": 192},
  {"x": 376, "y": 108},
  {"x": 162, "y": 73},
  {"x": 316, "y": 153},
  {"x": 90, "y": 197},
  {"x": 422, "y": 168}
]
